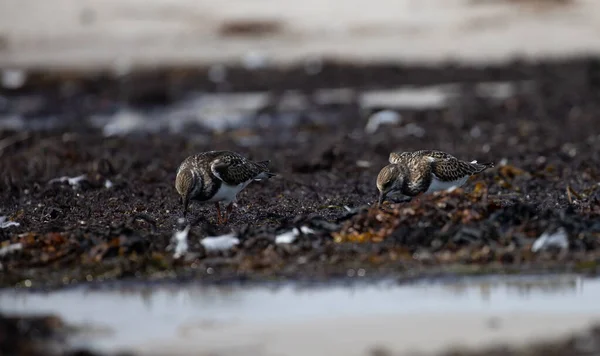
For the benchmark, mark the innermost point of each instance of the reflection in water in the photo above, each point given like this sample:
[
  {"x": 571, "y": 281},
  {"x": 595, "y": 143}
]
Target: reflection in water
[
  {"x": 138, "y": 314},
  {"x": 523, "y": 287},
  {"x": 520, "y": 286}
]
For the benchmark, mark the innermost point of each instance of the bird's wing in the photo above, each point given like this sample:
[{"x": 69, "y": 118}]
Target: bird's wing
[
  {"x": 431, "y": 155},
  {"x": 434, "y": 155},
  {"x": 397, "y": 157},
  {"x": 443, "y": 165},
  {"x": 234, "y": 170},
  {"x": 452, "y": 169}
]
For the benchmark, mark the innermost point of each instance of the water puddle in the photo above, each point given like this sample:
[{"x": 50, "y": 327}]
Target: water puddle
[{"x": 293, "y": 320}]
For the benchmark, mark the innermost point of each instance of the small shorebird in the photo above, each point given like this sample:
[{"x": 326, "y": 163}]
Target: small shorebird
[
  {"x": 217, "y": 176},
  {"x": 424, "y": 171}
]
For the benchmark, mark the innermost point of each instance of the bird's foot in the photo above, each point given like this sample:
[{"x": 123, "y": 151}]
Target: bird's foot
[
  {"x": 228, "y": 213},
  {"x": 219, "y": 218}
]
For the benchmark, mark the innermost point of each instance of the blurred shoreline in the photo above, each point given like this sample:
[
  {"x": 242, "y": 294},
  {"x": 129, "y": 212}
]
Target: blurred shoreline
[{"x": 121, "y": 35}]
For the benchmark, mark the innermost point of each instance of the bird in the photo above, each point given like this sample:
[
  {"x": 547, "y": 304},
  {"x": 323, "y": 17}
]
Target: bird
[
  {"x": 424, "y": 171},
  {"x": 217, "y": 176}
]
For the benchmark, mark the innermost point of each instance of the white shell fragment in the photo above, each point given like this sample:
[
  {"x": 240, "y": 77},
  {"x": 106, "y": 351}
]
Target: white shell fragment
[
  {"x": 10, "y": 248},
  {"x": 179, "y": 239},
  {"x": 220, "y": 243},
  {"x": 290, "y": 236},
  {"x": 558, "y": 239},
  {"x": 363, "y": 164},
  {"x": 383, "y": 117},
  {"x": 13, "y": 78},
  {"x": 4, "y": 222},
  {"x": 73, "y": 181},
  {"x": 255, "y": 60}
]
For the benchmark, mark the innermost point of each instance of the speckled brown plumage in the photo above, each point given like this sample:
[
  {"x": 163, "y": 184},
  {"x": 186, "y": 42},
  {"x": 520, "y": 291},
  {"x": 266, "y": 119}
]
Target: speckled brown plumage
[
  {"x": 424, "y": 171},
  {"x": 217, "y": 176}
]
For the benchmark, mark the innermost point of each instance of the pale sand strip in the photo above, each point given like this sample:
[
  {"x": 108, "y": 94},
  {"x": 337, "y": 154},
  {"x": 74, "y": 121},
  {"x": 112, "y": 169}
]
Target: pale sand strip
[
  {"x": 124, "y": 33},
  {"x": 358, "y": 336}
]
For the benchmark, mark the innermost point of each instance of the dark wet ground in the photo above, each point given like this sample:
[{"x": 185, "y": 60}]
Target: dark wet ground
[
  {"x": 545, "y": 143},
  {"x": 31, "y": 336}
]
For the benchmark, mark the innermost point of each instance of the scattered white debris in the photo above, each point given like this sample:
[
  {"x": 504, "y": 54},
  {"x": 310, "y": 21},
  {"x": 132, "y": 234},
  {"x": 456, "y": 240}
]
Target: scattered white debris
[
  {"x": 73, "y": 181},
  {"x": 217, "y": 73},
  {"x": 503, "y": 162},
  {"x": 363, "y": 164},
  {"x": 124, "y": 122},
  {"x": 108, "y": 184},
  {"x": 569, "y": 149},
  {"x": 313, "y": 65},
  {"x": 12, "y": 123},
  {"x": 13, "y": 78},
  {"x": 335, "y": 96},
  {"x": 412, "y": 129},
  {"x": 348, "y": 209},
  {"x": 382, "y": 117},
  {"x": 215, "y": 111},
  {"x": 10, "y": 248},
  {"x": 179, "y": 239},
  {"x": 540, "y": 160},
  {"x": 255, "y": 60},
  {"x": 501, "y": 90},
  {"x": 558, "y": 239},
  {"x": 4, "y": 222},
  {"x": 220, "y": 243},
  {"x": 429, "y": 97},
  {"x": 122, "y": 66},
  {"x": 290, "y": 236},
  {"x": 475, "y": 132},
  {"x": 474, "y": 161}
]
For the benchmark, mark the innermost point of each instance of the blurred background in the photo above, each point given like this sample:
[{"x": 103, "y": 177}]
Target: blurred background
[
  {"x": 163, "y": 54},
  {"x": 100, "y": 101}
]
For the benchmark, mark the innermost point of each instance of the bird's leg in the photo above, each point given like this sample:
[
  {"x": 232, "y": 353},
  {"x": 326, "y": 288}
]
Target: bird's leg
[
  {"x": 218, "y": 212},
  {"x": 228, "y": 212}
]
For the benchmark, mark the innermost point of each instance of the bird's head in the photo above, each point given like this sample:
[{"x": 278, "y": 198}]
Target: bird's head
[
  {"x": 184, "y": 183},
  {"x": 389, "y": 181}
]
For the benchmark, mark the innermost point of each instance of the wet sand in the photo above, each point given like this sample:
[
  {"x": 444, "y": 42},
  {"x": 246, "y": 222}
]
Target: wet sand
[{"x": 402, "y": 335}]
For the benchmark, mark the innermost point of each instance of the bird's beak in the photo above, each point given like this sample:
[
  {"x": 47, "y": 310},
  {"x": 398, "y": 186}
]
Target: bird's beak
[
  {"x": 186, "y": 201},
  {"x": 382, "y": 196}
]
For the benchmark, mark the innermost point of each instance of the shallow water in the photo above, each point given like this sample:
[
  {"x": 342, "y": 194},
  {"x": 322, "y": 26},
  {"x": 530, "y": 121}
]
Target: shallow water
[{"x": 138, "y": 317}]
